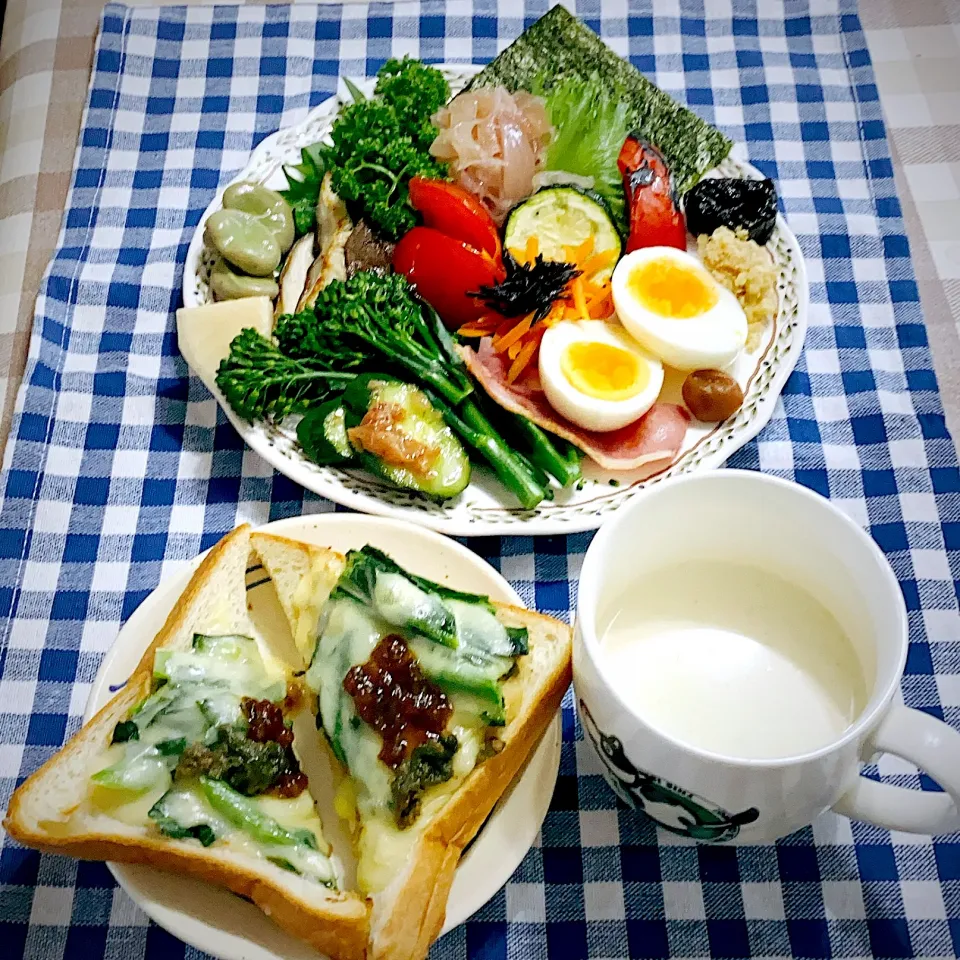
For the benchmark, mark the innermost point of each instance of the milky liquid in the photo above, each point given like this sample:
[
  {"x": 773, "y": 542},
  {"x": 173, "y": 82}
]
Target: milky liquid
[{"x": 734, "y": 660}]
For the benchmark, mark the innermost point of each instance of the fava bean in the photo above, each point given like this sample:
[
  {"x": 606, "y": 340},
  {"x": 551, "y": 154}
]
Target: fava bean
[
  {"x": 266, "y": 205},
  {"x": 243, "y": 241},
  {"x": 227, "y": 284}
]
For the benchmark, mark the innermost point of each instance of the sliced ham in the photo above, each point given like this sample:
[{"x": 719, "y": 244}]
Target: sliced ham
[{"x": 656, "y": 436}]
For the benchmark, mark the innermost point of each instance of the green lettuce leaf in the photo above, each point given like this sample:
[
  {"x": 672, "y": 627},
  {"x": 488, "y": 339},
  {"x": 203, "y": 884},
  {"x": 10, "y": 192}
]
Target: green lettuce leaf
[{"x": 590, "y": 123}]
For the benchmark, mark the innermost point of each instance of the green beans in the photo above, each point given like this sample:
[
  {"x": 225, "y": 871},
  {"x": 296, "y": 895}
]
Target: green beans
[
  {"x": 227, "y": 284},
  {"x": 243, "y": 241},
  {"x": 265, "y": 205}
]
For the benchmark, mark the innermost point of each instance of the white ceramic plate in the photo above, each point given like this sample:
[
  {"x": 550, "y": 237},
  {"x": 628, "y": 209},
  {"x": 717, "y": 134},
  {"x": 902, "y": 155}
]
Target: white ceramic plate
[
  {"x": 216, "y": 921},
  {"x": 485, "y": 507}
]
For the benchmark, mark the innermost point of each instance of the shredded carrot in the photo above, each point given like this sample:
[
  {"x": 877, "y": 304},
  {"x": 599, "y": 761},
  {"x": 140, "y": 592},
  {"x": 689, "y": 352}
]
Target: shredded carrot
[
  {"x": 597, "y": 291},
  {"x": 594, "y": 291},
  {"x": 598, "y": 261},
  {"x": 480, "y": 327},
  {"x": 523, "y": 358},
  {"x": 503, "y": 329},
  {"x": 533, "y": 336},
  {"x": 532, "y": 249},
  {"x": 514, "y": 349},
  {"x": 581, "y": 251},
  {"x": 601, "y": 308},
  {"x": 579, "y": 300},
  {"x": 519, "y": 255},
  {"x": 505, "y": 341}
]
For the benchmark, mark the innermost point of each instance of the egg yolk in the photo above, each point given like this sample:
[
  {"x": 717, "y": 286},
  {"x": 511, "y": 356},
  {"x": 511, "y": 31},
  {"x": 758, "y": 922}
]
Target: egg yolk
[
  {"x": 672, "y": 289},
  {"x": 603, "y": 371}
]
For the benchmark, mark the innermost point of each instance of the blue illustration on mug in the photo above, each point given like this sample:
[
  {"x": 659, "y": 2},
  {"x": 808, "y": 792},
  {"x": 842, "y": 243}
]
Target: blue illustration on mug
[{"x": 668, "y": 805}]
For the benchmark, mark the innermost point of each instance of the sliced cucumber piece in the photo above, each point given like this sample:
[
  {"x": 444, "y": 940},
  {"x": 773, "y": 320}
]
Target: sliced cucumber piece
[
  {"x": 462, "y": 671},
  {"x": 562, "y": 217},
  {"x": 479, "y": 628},
  {"x": 403, "y": 604},
  {"x": 227, "y": 647},
  {"x": 142, "y": 768},
  {"x": 245, "y": 813},
  {"x": 400, "y": 436},
  {"x": 229, "y": 664},
  {"x": 322, "y": 433},
  {"x": 469, "y": 709},
  {"x": 182, "y": 814}
]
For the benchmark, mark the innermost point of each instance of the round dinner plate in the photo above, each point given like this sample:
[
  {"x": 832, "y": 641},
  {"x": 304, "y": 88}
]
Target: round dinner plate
[
  {"x": 485, "y": 507},
  {"x": 214, "y": 920}
]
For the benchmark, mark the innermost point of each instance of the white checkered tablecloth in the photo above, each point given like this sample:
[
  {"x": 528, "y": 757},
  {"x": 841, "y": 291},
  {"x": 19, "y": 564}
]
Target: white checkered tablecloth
[{"x": 120, "y": 465}]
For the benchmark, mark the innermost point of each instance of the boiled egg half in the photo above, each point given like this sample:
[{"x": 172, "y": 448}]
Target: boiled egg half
[
  {"x": 668, "y": 301},
  {"x": 596, "y": 375}
]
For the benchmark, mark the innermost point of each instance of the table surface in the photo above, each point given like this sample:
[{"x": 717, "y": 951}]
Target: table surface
[{"x": 45, "y": 63}]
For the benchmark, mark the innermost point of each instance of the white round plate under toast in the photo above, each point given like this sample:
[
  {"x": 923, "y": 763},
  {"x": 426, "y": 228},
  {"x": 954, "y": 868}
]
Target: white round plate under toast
[
  {"x": 219, "y": 923},
  {"x": 485, "y": 507}
]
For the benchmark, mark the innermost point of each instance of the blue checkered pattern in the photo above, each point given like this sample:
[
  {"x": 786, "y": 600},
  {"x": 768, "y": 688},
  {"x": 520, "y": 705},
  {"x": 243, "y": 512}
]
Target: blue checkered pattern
[{"x": 121, "y": 465}]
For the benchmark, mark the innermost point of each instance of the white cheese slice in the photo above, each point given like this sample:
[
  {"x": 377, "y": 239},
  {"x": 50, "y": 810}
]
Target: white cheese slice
[{"x": 205, "y": 333}]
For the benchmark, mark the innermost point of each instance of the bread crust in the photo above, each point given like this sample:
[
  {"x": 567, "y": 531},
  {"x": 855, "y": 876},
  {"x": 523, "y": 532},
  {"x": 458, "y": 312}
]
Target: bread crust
[
  {"x": 337, "y": 926},
  {"x": 433, "y": 860},
  {"x": 409, "y": 915}
]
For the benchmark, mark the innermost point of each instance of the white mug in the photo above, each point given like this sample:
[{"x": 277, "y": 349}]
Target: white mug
[{"x": 787, "y": 529}]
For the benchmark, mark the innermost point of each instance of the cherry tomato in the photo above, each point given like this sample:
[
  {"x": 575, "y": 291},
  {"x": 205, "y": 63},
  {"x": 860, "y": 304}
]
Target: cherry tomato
[
  {"x": 455, "y": 212},
  {"x": 655, "y": 218},
  {"x": 445, "y": 271}
]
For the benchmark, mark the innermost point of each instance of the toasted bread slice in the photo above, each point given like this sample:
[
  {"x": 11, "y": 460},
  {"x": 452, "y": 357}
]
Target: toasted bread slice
[
  {"x": 51, "y": 812},
  {"x": 303, "y": 579},
  {"x": 408, "y": 909}
]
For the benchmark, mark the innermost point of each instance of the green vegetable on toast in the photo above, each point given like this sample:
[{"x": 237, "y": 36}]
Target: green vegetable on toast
[
  {"x": 403, "y": 724},
  {"x": 205, "y": 745}
]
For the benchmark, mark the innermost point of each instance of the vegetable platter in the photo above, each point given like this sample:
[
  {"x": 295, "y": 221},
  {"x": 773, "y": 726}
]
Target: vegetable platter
[{"x": 488, "y": 300}]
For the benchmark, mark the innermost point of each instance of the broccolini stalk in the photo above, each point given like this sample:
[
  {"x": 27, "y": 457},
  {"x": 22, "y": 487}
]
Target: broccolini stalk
[
  {"x": 476, "y": 431},
  {"x": 563, "y": 463},
  {"x": 372, "y": 318},
  {"x": 260, "y": 382}
]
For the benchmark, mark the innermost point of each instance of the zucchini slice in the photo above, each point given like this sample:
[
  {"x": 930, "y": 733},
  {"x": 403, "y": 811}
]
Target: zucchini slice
[{"x": 561, "y": 217}]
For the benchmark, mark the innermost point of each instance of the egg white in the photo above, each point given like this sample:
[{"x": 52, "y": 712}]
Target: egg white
[
  {"x": 589, "y": 412},
  {"x": 709, "y": 340}
]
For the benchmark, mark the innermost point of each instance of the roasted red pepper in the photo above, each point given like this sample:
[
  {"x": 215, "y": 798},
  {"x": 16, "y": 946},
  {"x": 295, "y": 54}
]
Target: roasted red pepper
[{"x": 655, "y": 217}]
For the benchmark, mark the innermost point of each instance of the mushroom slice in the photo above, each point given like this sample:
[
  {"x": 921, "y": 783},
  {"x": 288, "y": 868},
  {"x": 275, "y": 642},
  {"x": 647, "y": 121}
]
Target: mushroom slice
[
  {"x": 293, "y": 276},
  {"x": 334, "y": 227}
]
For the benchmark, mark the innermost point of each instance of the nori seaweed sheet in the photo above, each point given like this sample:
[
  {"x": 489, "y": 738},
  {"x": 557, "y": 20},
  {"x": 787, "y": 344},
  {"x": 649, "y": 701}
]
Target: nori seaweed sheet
[{"x": 558, "y": 43}]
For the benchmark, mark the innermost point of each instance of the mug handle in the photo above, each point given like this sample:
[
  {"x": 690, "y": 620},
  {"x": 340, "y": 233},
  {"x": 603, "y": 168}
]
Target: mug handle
[{"x": 934, "y": 747}]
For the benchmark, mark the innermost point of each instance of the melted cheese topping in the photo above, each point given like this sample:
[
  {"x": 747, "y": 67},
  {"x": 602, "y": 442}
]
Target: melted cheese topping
[
  {"x": 128, "y": 779},
  {"x": 308, "y": 602}
]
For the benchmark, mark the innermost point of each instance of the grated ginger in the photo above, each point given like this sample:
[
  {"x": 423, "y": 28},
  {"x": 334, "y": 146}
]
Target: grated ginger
[{"x": 746, "y": 270}]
